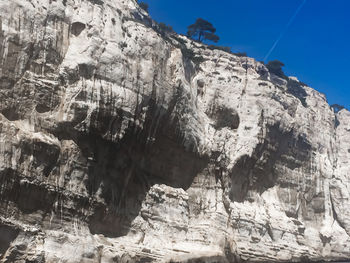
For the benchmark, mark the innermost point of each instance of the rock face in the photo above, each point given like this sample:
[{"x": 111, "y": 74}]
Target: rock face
[{"x": 123, "y": 143}]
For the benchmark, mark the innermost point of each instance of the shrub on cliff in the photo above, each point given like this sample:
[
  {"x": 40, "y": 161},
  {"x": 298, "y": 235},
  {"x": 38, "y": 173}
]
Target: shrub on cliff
[
  {"x": 144, "y": 6},
  {"x": 164, "y": 29},
  {"x": 189, "y": 54},
  {"x": 275, "y": 67},
  {"x": 240, "y": 54},
  {"x": 223, "y": 48}
]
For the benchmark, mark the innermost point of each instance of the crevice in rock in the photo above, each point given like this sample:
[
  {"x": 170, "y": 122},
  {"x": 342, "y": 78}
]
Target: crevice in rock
[
  {"x": 86, "y": 71},
  {"x": 224, "y": 117},
  {"x": 42, "y": 108},
  {"x": 325, "y": 240},
  {"x": 77, "y": 28}
]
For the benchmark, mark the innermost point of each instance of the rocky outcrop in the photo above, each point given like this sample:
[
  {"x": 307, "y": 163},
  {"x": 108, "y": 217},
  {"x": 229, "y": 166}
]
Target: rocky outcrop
[{"x": 123, "y": 143}]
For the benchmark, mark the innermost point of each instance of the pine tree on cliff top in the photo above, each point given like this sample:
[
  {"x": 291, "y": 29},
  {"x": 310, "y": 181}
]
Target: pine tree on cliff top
[{"x": 202, "y": 30}]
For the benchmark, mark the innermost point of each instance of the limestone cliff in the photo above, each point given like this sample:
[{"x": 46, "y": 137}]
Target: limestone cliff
[{"x": 122, "y": 143}]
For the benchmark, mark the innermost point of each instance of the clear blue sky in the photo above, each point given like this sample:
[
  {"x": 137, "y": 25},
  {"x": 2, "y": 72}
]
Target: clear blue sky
[{"x": 315, "y": 48}]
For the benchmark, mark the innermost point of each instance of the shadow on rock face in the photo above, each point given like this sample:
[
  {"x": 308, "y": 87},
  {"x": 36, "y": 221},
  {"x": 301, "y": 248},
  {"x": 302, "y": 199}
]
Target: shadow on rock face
[
  {"x": 226, "y": 117},
  {"x": 7, "y": 235},
  {"x": 28, "y": 196},
  {"x": 259, "y": 172},
  {"x": 116, "y": 174},
  {"x": 10, "y": 114},
  {"x": 122, "y": 173}
]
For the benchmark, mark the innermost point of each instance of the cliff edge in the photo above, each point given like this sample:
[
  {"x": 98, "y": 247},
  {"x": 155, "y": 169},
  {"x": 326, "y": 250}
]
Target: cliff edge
[{"x": 122, "y": 143}]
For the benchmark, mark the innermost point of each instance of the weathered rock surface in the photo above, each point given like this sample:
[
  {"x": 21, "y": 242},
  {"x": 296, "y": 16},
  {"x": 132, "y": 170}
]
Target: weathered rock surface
[{"x": 119, "y": 143}]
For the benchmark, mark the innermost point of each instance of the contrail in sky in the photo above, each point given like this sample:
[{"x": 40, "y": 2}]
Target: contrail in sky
[{"x": 284, "y": 30}]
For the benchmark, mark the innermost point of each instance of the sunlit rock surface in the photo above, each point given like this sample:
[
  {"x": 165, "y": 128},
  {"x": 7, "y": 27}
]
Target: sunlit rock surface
[{"x": 120, "y": 143}]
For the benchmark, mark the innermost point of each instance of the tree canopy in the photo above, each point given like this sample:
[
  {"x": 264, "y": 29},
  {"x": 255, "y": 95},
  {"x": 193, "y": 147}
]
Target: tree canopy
[{"x": 202, "y": 30}]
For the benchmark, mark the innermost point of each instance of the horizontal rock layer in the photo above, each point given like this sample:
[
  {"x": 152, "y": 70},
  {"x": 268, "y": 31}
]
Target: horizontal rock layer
[{"x": 123, "y": 143}]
